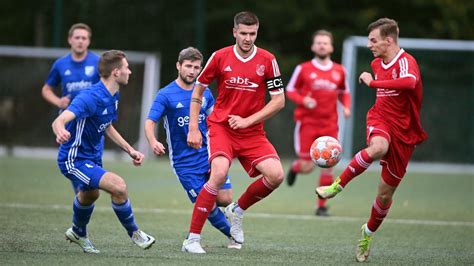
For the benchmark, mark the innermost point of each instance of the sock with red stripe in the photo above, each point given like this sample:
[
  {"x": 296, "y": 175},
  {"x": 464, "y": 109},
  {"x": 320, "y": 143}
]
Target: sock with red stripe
[
  {"x": 325, "y": 179},
  {"x": 203, "y": 206},
  {"x": 378, "y": 213},
  {"x": 255, "y": 192},
  {"x": 358, "y": 165}
]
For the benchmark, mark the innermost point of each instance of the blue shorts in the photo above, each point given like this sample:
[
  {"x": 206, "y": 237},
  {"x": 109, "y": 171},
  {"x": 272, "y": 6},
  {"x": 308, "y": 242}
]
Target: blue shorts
[
  {"x": 193, "y": 183},
  {"x": 84, "y": 174}
]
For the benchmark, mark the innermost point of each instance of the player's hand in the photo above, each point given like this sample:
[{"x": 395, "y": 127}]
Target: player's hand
[
  {"x": 309, "y": 102},
  {"x": 365, "y": 77},
  {"x": 137, "y": 157},
  {"x": 194, "y": 139},
  {"x": 347, "y": 112},
  {"x": 62, "y": 136},
  {"x": 157, "y": 147},
  {"x": 237, "y": 122},
  {"x": 64, "y": 102}
]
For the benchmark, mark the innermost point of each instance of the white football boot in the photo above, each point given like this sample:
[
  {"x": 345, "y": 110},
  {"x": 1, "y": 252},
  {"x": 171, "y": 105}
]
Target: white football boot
[
  {"x": 235, "y": 221},
  {"x": 193, "y": 246},
  {"x": 142, "y": 239},
  {"x": 83, "y": 242}
]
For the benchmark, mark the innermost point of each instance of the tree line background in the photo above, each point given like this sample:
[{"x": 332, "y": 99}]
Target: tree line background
[{"x": 286, "y": 26}]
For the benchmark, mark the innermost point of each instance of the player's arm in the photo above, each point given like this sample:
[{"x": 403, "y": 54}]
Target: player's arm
[
  {"x": 48, "y": 94},
  {"x": 115, "y": 136},
  {"x": 155, "y": 145},
  {"x": 59, "y": 126},
  {"x": 194, "y": 134},
  {"x": 344, "y": 96},
  {"x": 402, "y": 83}
]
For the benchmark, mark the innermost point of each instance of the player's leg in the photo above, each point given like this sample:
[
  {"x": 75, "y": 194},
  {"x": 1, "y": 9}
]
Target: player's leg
[
  {"x": 116, "y": 187},
  {"x": 394, "y": 165},
  {"x": 205, "y": 203},
  {"x": 303, "y": 137},
  {"x": 218, "y": 219},
  {"x": 379, "y": 141},
  {"x": 325, "y": 179}
]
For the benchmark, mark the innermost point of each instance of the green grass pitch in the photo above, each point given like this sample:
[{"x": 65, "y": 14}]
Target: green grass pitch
[{"x": 430, "y": 222}]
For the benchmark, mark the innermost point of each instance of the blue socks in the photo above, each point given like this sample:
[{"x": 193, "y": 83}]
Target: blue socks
[
  {"x": 125, "y": 215},
  {"x": 218, "y": 220},
  {"x": 81, "y": 217}
]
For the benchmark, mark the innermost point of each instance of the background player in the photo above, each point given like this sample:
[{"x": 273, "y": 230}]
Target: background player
[
  {"x": 393, "y": 124},
  {"x": 243, "y": 73},
  {"x": 191, "y": 166},
  {"x": 74, "y": 71},
  {"x": 79, "y": 130},
  {"x": 315, "y": 87}
]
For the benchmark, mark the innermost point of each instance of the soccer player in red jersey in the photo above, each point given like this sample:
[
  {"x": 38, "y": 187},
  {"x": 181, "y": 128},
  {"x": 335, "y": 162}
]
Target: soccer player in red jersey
[
  {"x": 244, "y": 73},
  {"x": 315, "y": 87},
  {"x": 393, "y": 124}
]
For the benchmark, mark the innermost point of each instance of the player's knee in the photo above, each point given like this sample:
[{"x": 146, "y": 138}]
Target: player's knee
[
  {"x": 120, "y": 190},
  {"x": 378, "y": 148},
  {"x": 385, "y": 197},
  {"x": 275, "y": 177}
]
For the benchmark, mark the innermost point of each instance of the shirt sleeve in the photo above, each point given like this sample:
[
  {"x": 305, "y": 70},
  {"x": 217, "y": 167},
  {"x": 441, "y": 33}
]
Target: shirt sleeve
[
  {"x": 211, "y": 102},
  {"x": 158, "y": 109},
  {"x": 209, "y": 72},
  {"x": 54, "y": 78},
  {"x": 291, "y": 88},
  {"x": 83, "y": 106},
  {"x": 344, "y": 94},
  {"x": 274, "y": 82}
]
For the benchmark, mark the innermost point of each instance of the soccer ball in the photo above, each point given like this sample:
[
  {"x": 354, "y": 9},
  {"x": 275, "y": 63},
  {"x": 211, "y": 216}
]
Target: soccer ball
[{"x": 326, "y": 151}]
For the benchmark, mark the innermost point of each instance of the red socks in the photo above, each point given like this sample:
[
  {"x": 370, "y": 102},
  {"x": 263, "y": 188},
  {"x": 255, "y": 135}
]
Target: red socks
[
  {"x": 203, "y": 206},
  {"x": 359, "y": 164},
  {"x": 378, "y": 213},
  {"x": 256, "y": 191},
  {"x": 324, "y": 180}
]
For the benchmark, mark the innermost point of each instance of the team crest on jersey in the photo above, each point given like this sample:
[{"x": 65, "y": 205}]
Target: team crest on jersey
[
  {"x": 394, "y": 73},
  {"x": 89, "y": 70},
  {"x": 313, "y": 75},
  {"x": 336, "y": 75},
  {"x": 260, "y": 70}
]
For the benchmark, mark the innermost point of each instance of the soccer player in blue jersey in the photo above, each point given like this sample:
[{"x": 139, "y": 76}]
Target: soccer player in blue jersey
[
  {"x": 74, "y": 71},
  {"x": 190, "y": 165},
  {"x": 79, "y": 130}
]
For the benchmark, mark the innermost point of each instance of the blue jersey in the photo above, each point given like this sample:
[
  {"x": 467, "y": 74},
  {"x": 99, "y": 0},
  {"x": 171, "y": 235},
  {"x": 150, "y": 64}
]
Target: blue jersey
[
  {"x": 72, "y": 75},
  {"x": 172, "y": 103},
  {"x": 95, "y": 109}
]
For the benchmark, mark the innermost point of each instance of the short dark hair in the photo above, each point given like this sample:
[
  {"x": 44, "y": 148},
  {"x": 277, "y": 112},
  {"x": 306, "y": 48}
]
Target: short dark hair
[
  {"x": 81, "y": 26},
  {"x": 109, "y": 61},
  {"x": 387, "y": 27},
  {"x": 189, "y": 53},
  {"x": 323, "y": 33},
  {"x": 246, "y": 18}
]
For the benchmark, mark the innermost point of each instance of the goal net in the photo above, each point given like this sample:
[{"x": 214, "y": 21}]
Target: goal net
[{"x": 25, "y": 117}]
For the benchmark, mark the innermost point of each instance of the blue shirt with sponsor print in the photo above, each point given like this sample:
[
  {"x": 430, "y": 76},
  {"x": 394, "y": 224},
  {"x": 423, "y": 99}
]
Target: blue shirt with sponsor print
[
  {"x": 95, "y": 109},
  {"x": 73, "y": 75},
  {"x": 172, "y": 104}
]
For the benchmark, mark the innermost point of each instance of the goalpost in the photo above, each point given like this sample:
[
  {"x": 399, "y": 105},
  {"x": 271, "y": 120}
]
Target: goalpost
[
  {"x": 43, "y": 57},
  {"x": 441, "y": 62}
]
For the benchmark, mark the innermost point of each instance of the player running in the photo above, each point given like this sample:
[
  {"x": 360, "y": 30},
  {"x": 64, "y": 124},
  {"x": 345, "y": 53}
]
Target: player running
[
  {"x": 79, "y": 130},
  {"x": 190, "y": 165}
]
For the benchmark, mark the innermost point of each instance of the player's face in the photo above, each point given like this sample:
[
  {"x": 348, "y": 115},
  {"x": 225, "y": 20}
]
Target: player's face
[
  {"x": 245, "y": 37},
  {"x": 79, "y": 41},
  {"x": 322, "y": 46},
  {"x": 377, "y": 44},
  {"x": 123, "y": 73},
  {"x": 188, "y": 71}
]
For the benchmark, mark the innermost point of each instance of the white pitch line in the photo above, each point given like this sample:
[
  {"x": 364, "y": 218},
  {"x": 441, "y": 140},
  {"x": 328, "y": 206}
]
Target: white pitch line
[{"x": 250, "y": 214}]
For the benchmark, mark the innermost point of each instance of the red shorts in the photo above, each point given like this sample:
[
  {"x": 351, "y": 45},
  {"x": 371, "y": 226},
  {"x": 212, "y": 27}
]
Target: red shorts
[
  {"x": 249, "y": 149},
  {"x": 305, "y": 134},
  {"x": 394, "y": 163}
]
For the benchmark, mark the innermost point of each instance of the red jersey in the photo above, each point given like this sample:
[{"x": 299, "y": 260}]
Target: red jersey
[
  {"x": 241, "y": 84},
  {"x": 325, "y": 84},
  {"x": 399, "y": 97}
]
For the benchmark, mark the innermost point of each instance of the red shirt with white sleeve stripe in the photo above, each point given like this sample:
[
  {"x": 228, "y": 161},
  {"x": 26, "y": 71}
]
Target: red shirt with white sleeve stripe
[
  {"x": 242, "y": 84},
  {"x": 326, "y": 84},
  {"x": 399, "y": 96}
]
